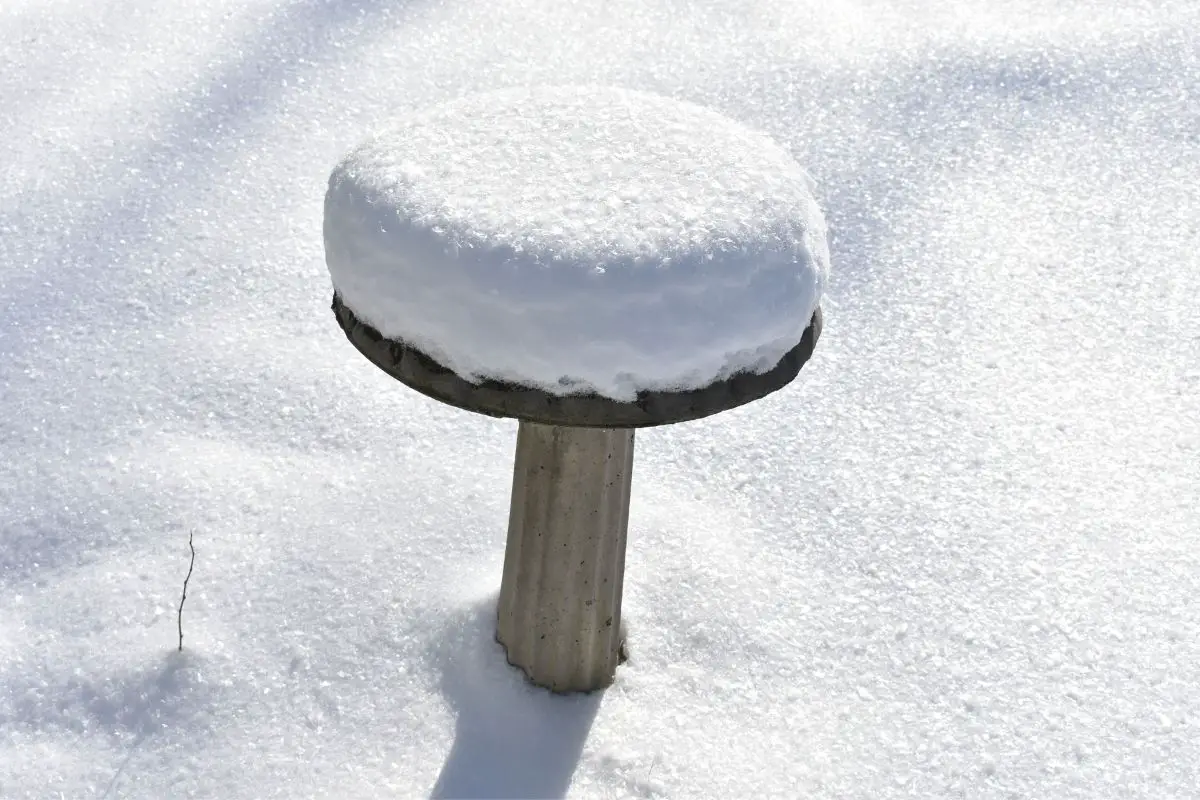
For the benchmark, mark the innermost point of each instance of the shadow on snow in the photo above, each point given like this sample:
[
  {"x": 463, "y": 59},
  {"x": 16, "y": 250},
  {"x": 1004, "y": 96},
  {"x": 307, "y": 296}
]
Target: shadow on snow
[{"x": 511, "y": 739}]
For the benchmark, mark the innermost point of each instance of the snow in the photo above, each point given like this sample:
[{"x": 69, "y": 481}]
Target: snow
[
  {"x": 579, "y": 239},
  {"x": 958, "y": 557}
]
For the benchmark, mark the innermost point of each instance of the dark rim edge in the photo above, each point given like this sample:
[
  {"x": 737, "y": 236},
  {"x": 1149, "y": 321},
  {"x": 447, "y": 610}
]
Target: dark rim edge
[{"x": 501, "y": 399}]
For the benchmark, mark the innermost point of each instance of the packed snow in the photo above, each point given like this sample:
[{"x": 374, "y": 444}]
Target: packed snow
[
  {"x": 958, "y": 557},
  {"x": 579, "y": 239}
]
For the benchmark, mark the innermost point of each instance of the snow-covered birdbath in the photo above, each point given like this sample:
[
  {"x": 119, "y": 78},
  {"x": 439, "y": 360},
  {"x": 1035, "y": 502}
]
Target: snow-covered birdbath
[{"x": 588, "y": 261}]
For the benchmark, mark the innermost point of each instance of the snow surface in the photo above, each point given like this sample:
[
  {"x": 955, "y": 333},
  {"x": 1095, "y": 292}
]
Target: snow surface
[
  {"x": 959, "y": 557},
  {"x": 579, "y": 239}
]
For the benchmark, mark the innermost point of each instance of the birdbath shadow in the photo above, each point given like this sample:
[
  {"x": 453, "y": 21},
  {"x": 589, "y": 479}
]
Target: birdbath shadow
[
  {"x": 511, "y": 739},
  {"x": 501, "y": 254}
]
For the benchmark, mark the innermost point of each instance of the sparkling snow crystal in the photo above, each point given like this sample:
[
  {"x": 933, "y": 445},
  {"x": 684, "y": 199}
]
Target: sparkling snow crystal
[
  {"x": 579, "y": 239},
  {"x": 958, "y": 558}
]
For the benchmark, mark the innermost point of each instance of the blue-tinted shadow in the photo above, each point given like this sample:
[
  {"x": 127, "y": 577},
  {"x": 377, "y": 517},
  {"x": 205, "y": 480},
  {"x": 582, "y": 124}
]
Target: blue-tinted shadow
[{"x": 512, "y": 740}]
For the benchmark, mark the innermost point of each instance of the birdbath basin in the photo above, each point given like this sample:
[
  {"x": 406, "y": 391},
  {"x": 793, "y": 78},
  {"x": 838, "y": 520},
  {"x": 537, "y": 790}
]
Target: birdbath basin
[{"x": 588, "y": 261}]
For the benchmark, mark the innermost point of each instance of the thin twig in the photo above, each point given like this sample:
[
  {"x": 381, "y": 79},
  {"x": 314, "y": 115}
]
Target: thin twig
[{"x": 183, "y": 599}]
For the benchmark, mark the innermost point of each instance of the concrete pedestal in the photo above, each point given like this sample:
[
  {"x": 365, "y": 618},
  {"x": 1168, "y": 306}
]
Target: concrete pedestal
[
  {"x": 564, "y": 565},
  {"x": 560, "y": 597}
]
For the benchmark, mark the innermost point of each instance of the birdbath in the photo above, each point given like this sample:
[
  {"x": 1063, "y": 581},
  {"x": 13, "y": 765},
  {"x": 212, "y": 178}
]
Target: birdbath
[{"x": 588, "y": 261}]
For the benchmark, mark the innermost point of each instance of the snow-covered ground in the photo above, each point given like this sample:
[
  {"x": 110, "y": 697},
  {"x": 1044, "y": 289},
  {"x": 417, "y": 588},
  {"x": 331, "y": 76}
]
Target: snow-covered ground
[{"x": 959, "y": 557}]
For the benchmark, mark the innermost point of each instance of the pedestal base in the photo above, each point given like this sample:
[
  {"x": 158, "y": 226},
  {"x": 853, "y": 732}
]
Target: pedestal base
[{"x": 560, "y": 597}]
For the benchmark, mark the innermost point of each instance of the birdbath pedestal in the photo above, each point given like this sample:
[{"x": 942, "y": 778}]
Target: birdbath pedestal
[{"x": 589, "y": 262}]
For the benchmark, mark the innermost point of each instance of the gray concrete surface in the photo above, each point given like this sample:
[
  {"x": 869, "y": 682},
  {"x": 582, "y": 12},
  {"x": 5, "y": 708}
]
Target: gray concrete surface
[{"x": 559, "y": 616}]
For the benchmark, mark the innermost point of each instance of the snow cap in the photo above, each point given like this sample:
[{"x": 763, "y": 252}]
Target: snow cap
[{"x": 579, "y": 239}]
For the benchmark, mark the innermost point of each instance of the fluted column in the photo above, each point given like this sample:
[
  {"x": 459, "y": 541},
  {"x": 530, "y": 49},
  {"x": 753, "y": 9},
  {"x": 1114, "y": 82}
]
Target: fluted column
[{"x": 564, "y": 564}]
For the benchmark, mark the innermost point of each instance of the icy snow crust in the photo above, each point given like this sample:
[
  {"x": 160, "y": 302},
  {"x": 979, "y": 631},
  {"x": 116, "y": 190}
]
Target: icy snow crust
[
  {"x": 958, "y": 558},
  {"x": 579, "y": 239}
]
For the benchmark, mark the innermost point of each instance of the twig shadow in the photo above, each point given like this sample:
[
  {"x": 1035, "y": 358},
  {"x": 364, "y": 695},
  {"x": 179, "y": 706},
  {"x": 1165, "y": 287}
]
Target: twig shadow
[
  {"x": 131, "y": 706},
  {"x": 144, "y": 704},
  {"x": 512, "y": 740}
]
